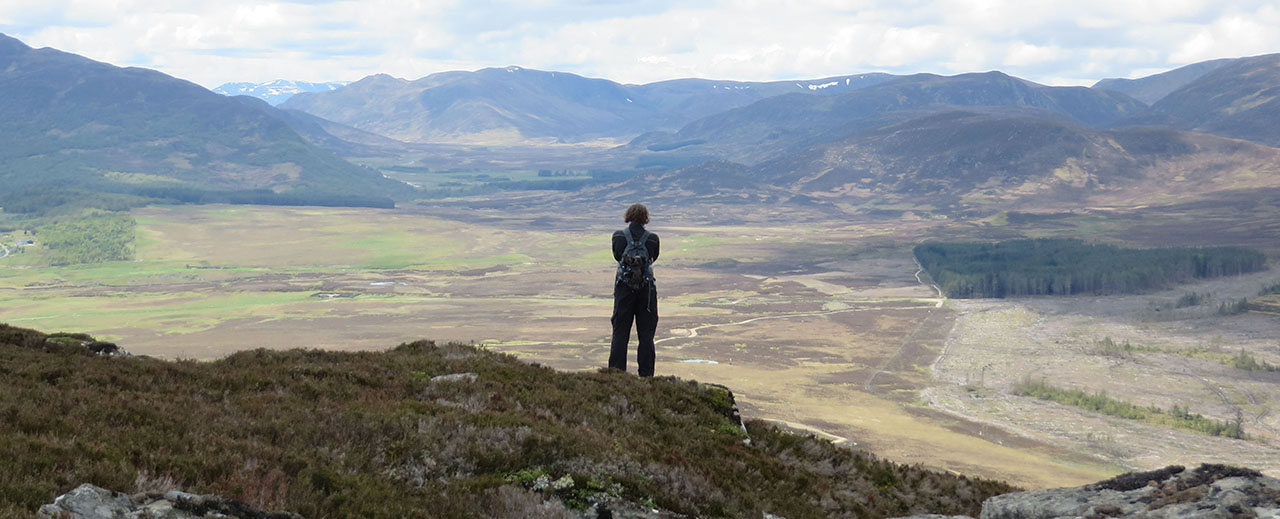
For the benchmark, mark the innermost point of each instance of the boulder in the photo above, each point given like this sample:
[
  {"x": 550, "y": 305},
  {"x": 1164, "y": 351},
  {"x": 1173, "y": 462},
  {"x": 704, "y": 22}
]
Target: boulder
[{"x": 91, "y": 502}]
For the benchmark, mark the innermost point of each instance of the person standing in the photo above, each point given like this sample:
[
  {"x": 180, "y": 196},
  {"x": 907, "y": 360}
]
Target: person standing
[{"x": 635, "y": 296}]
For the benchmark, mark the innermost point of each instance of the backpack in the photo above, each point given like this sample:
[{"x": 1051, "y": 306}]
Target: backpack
[{"x": 634, "y": 268}]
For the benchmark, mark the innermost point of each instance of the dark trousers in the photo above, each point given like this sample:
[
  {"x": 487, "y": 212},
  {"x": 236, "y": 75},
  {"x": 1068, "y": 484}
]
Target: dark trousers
[{"x": 642, "y": 307}]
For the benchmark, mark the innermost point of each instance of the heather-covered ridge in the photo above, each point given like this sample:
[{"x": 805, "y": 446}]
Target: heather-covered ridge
[{"x": 421, "y": 430}]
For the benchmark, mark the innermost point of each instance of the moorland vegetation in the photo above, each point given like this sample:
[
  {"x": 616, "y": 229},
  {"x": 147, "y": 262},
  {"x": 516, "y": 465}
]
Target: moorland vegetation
[
  {"x": 1051, "y": 266},
  {"x": 421, "y": 430}
]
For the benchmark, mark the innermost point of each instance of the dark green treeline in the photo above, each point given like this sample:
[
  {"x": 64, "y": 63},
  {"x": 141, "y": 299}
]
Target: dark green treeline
[{"x": 1063, "y": 266}]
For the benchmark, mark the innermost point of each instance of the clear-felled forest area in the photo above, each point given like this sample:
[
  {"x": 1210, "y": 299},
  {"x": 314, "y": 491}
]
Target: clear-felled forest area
[{"x": 1050, "y": 266}]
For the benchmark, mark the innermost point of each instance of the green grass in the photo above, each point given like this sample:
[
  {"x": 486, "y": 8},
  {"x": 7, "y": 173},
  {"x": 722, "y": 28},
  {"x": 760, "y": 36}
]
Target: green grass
[
  {"x": 1178, "y": 417},
  {"x": 337, "y": 435},
  {"x": 164, "y": 293}
]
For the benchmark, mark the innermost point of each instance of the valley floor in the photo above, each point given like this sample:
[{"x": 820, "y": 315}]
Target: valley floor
[{"x": 820, "y": 323}]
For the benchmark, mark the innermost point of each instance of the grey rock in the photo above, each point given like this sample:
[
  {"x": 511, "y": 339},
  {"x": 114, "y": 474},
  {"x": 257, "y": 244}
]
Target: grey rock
[
  {"x": 455, "y": 377},
  {"x": 91, "y": 502},
  {"x": 86, "y": 501},
  {"x": 1208, "y": 492}
]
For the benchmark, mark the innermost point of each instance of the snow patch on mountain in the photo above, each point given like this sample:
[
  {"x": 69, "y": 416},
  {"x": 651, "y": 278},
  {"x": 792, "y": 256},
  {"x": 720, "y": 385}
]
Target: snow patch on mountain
[
  {"x": 825, "y": 85},
  {"x": 277, "y": 91}
]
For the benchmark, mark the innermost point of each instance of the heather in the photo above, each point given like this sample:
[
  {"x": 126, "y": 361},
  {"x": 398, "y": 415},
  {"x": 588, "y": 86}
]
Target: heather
[{"x": 421, "y": 430}]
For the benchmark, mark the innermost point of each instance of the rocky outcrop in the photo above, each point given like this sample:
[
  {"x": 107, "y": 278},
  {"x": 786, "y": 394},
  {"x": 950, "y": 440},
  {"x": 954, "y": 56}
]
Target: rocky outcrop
[
  {"x": 1210, "y": 491},
  {"x": 735, "y": 415},
  {"x": 91, "y": 502}
]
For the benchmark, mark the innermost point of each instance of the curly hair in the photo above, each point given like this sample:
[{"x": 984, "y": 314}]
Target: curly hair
[{"x": 636, "y": 213}]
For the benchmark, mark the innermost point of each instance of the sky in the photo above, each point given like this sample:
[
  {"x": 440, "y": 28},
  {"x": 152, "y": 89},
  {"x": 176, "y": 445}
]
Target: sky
[{"x": 1054, "y": 42}]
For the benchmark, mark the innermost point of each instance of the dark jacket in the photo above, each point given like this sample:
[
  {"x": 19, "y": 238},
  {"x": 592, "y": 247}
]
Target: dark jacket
[{"x": 636, "y": 229}]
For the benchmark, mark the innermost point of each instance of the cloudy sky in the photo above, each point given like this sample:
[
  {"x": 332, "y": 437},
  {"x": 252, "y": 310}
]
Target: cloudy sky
[{"x": 1050, "y": 41}]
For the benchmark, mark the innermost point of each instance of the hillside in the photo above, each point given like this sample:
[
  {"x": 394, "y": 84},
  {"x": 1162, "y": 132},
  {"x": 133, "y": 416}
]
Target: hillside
[
  {"x": 1150, "y": 89},
  {"x": 74, "y": 123},
  {"x": 1020, "y": 157},
  {"x": 784, "y": 124},
  {"x": 1239, "y": 99},
  {"x": 422, "y": 430},
  {"x": 337, "y": 137},
  {"x": 984, "y": 159},
  {"x": 516, "y": 105}
]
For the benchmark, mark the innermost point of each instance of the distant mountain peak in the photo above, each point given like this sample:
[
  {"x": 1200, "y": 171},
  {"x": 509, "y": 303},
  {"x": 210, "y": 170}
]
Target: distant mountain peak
[{"x": 276, "y": 91}]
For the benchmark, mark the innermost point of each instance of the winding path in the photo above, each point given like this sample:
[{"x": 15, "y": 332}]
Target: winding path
[
  {"x": 836, "y": 439},
  {"x": 6, "y": 250},
  {"x": 920, "y": 270}
]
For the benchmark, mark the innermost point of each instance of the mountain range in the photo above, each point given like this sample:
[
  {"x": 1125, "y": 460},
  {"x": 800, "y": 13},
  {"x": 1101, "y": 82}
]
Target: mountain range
[
  {"x": 780, "y": 124},
  {"x": 964, "y": 141},
  {"x": 986, "y": 140},
  {"x": 515, "y": 105},
  {"x": 277, "y": 91},
  {"x": 518, "y": 105}
]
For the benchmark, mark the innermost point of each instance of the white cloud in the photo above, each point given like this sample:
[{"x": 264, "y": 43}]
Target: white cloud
[
  {"x": 1022, "y": 54},
  {"x": 1043, "y": 40},
  {"x": 1231, "y": 36}
]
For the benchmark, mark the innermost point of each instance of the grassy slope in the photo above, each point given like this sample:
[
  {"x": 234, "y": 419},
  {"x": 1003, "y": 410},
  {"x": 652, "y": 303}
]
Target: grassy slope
[{"x": 370, "y": 435}]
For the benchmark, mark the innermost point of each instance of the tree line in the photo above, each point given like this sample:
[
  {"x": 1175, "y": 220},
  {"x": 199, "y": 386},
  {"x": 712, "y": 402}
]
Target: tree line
[
  {"x": 1052, "y": 266},
  {"x": 262, "y": 197}
]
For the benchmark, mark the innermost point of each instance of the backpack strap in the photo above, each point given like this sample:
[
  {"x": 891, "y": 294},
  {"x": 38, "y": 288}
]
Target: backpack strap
[{"x": 631, "y": 240}]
